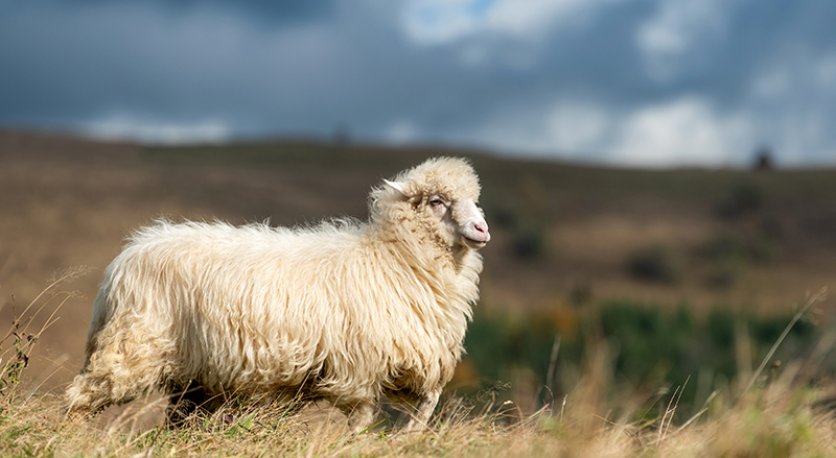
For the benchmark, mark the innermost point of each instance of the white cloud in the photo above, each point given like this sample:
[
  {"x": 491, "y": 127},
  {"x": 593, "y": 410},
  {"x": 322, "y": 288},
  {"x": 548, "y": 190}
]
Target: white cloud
[
  {"x": 130, "y": 128},
  {"x": 686, "y": 131},
  {"x": 803, "y": 137},
  {"x": 824, "y": 72},
  {"x": 522, "y": 17},
  {"x": 771, "y": 84},
  {"x": 677, "y": 27},
  {"x": 434, "y": 22},
  {"x": 800, "y": 77},
  {"x": 577, "y": 127},
  {"x": 401, "y": 132},
  {"x": 683, "y": 131}
]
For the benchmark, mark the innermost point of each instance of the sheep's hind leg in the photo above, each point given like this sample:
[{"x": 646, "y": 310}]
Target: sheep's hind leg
[
  {"x": 426, "y": 406},
  {"x": 93, "y": 391},
  {"x": 87, "y": 395},
  {"x": 115, "y": 374}
]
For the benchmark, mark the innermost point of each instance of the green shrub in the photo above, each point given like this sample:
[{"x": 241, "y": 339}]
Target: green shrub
[{"x": 650, "y": 345}]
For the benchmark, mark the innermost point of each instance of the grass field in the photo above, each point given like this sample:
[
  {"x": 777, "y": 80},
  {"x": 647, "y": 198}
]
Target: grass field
[
  {"x": 774, "y": 421},
  {"x": 771, "y": 412},
  {"x": 663, "y": 291}
]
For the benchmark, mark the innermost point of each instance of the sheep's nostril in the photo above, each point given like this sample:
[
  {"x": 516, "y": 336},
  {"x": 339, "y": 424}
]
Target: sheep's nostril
[{"x": 482, "y": 228}]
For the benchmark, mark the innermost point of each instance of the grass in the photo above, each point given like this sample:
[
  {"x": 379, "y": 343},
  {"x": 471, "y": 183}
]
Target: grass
[
  {"x": 776, "y": 419},
  {"x": 782, "y": 411}
]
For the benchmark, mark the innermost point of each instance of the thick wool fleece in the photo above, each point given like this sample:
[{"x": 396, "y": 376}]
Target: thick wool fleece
[{"x": 345, "y": 311}]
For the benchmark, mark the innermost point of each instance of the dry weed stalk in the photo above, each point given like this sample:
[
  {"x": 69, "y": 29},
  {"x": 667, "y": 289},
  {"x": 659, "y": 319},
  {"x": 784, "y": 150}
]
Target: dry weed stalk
[{"x": 14, "y": 358}]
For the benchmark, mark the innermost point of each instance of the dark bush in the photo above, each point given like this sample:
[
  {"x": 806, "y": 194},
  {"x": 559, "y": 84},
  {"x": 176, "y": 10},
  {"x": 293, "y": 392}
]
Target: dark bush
[
  {"x": 763, "y": 160},
  {"x": 723, "y": 276},
  {"x": 743, "y": 198},
  {"x": 503, "y": 216},
  {"x": 652, "y": 264},
  {"x": 729, "y": 249},
  {"x": 580, "y": 294},
  {"x": 723, "y": 246},
  {"x": 528, "y": 241},
  {"x": 763, "y": 249}
]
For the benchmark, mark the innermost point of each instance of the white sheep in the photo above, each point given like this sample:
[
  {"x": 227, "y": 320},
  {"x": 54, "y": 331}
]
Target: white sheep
[{"x": 345, "y": 311}]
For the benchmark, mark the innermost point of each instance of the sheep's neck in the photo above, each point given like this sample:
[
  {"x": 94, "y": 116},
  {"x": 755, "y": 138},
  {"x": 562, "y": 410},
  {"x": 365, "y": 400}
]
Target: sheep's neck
[{"x": 430, "y": 252}]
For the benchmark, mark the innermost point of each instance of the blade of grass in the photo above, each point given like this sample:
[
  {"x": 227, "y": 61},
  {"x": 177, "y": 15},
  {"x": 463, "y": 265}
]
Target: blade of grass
[{"x": 814, "y": 299}]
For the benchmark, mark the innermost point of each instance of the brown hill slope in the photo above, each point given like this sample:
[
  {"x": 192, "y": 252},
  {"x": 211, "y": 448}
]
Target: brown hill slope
[{"x": 562, "y": 233}]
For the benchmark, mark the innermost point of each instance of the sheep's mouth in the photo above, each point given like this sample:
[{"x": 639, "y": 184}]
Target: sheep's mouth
[{"x": 473, "y": 243}]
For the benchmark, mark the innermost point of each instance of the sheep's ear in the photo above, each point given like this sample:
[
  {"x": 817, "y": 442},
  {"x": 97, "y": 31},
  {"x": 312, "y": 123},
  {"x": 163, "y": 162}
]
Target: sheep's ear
[{"x": 396, "y": 185}]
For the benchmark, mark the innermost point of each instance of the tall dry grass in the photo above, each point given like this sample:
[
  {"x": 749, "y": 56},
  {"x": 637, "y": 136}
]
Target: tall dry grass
[{"x": 772, "y": 411}]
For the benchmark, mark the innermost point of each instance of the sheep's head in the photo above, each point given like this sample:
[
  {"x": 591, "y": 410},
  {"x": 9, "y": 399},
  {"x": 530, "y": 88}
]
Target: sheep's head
[{"x": 441, "y": 195}]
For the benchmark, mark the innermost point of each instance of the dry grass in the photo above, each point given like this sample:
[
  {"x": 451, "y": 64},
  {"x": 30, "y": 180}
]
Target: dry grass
[
  {"x": 775, "y": 420},
  {"x": 779, "y": 413}
]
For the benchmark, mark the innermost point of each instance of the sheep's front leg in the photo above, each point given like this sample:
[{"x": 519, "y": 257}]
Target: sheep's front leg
[
  {"x": 426, "y": 406},
  {"x": 360, "y": 416}
]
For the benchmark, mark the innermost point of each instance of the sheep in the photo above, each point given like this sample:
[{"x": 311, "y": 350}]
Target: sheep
[{"x": 345, "y": 311}]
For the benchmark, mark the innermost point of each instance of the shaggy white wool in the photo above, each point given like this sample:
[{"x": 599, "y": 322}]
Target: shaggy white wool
[{"x": 345, "y": 311}]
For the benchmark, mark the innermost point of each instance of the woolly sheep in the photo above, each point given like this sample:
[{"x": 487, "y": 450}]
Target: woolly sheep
[{"x": 344, "y": 311}]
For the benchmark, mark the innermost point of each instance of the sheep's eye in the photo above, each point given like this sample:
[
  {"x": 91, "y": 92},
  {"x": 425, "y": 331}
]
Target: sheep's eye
[{"x": 436, "y": 201}]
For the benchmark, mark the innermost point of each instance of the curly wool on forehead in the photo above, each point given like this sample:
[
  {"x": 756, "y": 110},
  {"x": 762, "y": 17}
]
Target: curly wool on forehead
[{"x": 449, "y": 176}]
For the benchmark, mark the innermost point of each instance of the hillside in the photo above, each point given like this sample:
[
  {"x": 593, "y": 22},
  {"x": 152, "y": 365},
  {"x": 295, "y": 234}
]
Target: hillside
[{"x": 566, "y": 237}]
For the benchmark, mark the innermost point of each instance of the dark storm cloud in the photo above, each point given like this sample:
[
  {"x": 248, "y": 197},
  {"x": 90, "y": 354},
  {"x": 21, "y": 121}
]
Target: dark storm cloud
[
  {"x": 271, "y": 11},
  {"x": 650, "y": 82}
]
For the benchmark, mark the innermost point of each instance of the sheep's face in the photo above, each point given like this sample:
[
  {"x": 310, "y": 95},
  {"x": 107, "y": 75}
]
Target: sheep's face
[
  {"x": 456, "y": 221},
  {"x": 441, "y": 195},
  {"x": 462, "y": 220}
]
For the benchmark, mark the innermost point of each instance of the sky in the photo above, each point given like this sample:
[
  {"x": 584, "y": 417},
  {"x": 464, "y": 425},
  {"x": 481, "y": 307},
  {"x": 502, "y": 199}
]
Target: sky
[{"x": 649, "y": 83}]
